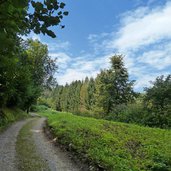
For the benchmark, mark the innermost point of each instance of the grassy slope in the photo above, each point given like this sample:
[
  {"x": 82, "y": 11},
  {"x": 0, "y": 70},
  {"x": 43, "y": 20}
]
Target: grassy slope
[
  {"x": 113, "y": 145},
  {"x": 10, "y": 115}
]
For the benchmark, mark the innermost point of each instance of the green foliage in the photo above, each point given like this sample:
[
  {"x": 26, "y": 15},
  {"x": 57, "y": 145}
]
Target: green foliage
[
  {"x": 158, "y": 102},
  {"x": 84, "y": 96},
  {"x": 67, "y": 98},
  {"x": 39, "y": 108},
  {"x": 113, "y": 87},
  {"x": 130, "y": 113},
  {"x": 24, "y": 77},
  {"x": 44, "y": 110},
  {"x": 100, "y": 96},
  {"x": 42, "y": 67},
  {"x": 113, "y": 145},
  {"x": 25, "y": 67},
  {"x": 9, "y": 115},
  {"x": 15, "y": 18}
]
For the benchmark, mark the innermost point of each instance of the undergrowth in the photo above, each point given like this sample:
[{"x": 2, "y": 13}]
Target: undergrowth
[{"x": 9, "y": 115}]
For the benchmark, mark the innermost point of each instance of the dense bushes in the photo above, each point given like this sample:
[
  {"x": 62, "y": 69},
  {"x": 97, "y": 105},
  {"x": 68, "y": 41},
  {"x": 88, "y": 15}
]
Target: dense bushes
[
  {"x": 112, "y": 145},
  {"x": 158, "y": 102},
  {"x": 131, "y": 113}
]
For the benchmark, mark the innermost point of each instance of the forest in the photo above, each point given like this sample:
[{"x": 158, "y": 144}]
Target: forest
[
  {"x": 111, "y": 96},
  {"x": 101, "y": 121}
]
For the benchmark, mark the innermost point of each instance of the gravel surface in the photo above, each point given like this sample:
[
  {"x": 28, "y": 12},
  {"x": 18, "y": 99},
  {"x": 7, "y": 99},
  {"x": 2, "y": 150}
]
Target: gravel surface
[
  {"x": 56, "y": 159},
  {"x": 7, "y": 146}
]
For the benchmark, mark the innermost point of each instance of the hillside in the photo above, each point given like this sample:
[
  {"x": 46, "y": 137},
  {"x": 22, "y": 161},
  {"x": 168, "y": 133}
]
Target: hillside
[{"x": 113, "y": 145}]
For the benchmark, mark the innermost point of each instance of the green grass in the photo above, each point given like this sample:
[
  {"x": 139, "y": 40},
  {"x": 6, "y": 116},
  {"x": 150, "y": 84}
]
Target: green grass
[
  {"x": 28, "y": 159},
  {"x": 9, "y": 115},
  {"x": 44, "y": 110},
  {"x": 112, "y": 145}
]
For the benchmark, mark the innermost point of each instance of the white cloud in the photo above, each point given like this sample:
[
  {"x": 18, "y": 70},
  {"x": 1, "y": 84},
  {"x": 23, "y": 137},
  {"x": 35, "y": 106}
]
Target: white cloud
[
  {"x": 143, "y": 27},
  {"x": 144, "y": 37},
  {"x": 32, "y": 36},
  {"x": 145, "y": 78},
  {"x": 58, "y": 45},
  {"x": 35, "y": 37},
  {"x": 62, "y": 59},
  {"x": 158, "y": 58},
  {"x": 144, "y": 81},
  {"x": 79, "y": 67},
  {"x": 74, "y": 74}
]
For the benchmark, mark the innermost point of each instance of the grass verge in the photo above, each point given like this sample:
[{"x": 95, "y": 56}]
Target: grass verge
[
  {"x": 10, "y": 115},
  {"x": 27, "y": 156},
  {"x": 113, "y": 146}
]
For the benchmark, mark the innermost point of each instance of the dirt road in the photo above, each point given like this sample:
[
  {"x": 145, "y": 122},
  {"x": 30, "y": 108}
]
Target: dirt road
[
  {"x": 7, "y": 146},
  {"x": 53, "y": 157}
]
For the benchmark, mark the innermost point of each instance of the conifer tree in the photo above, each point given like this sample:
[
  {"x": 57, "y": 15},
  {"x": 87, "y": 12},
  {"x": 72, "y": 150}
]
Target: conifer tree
[
  {"x": 84, "y": 96},
  {"x": 113, "y": 87},
  {"x": 91, "y": 91}
]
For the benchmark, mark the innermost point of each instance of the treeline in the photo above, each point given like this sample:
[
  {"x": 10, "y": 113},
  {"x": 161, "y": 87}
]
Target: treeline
[
  {"x": 25, "y": 67},
  {"x": 111, "y": 96}
]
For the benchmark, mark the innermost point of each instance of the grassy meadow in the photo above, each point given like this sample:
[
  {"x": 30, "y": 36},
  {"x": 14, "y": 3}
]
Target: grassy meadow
[{"x": 113, "y": 146}]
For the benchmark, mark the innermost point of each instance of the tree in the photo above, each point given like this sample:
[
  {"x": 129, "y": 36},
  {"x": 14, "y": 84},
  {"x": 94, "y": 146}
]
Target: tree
[
  {"x": 15, "y": 17},
  {"x": 103, "y": 99},
  {"x": 91, "y": 91},
  {"x": 56, "y": 97},
  {"x": 16, "y": 71},
  {"x": 158, "y": 102},
  {"x": 113, "y": 87},
  {"x": 41, "y": 65},
  {"x": 84, "y": 96},
  {"x": 27, "y": 75}
]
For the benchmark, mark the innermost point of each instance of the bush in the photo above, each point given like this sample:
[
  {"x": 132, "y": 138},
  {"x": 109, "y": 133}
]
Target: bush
[
  {"x": 158, "y": 118},
  {"x": 39, "y": 108},
  {"x": 131, "y": 113},
  {"x": 9, "y": 115}
]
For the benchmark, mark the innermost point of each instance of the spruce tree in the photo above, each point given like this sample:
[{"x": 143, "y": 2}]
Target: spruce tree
[
  {"x": 91, "y": 91},
  {"x": 84, "y": 96},
  {"x": 113, "y": 87}
]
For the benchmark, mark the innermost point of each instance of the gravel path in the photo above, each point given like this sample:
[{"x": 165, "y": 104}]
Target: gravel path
[
  {"x": 56, "y": 159},
  {"x": 53, "y": 156},
  {"x": 7, "y": 146}
]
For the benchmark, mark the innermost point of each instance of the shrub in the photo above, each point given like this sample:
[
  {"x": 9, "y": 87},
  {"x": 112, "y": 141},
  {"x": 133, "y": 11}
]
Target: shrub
[{"x": 131, "y": 113}]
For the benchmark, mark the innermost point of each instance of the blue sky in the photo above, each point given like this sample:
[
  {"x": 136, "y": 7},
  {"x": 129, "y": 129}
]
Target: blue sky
[{"x": 97, "y": 29}]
